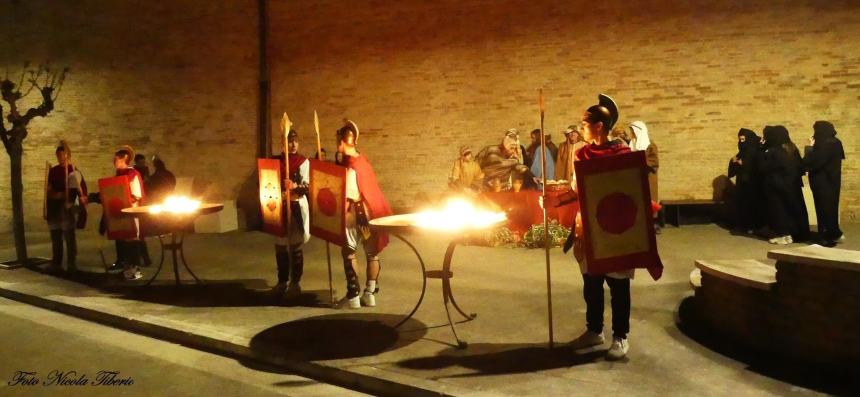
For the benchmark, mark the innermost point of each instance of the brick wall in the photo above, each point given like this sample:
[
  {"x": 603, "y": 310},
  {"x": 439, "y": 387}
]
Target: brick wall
[
  {"x": 176, "y": 78},
  {"x": 421, "y": 78}
]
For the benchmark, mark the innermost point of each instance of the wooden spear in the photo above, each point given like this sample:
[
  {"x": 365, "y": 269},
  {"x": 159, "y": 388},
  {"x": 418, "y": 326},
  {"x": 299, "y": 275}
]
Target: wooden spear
[
  {"x": 327, "y": 249},
  {"x": 286, "y": 124},
  {"x": 546, "y": 241}
]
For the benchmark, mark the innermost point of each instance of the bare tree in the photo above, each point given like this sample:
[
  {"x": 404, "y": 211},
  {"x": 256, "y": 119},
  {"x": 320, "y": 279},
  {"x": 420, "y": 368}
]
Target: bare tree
[{"x": 13, "y": 130}]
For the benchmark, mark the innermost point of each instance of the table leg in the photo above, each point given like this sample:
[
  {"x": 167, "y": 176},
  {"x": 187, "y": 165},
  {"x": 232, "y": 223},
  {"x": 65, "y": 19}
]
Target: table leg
[
  {"x": 160, "y": 263},
  {"x": 448, "y": 295},
  {"x": 446, "y": 281},
  {"x": 173, "y": 255},
  {"x": 184, "y": 262},
  {"x": 423, "y": 279}
]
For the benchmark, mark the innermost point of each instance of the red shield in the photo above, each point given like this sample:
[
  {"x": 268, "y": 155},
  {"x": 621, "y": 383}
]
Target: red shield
[
  {"x": 328, "y": 202},
  {"x": 271, "y": 202},
  {"x": 617, "y": 218},
  {"x": 115, "y": 196}
]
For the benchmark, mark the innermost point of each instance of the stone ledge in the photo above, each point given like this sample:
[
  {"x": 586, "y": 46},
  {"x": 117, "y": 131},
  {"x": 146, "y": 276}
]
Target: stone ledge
[
  {"x": 816, "y": 255},
  {"x": 747, "y": 272}
]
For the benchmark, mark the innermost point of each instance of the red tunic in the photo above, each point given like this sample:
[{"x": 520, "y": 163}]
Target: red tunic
[
  {"x": 57, "y": 183},
  {"x": 130, "y": 173},
  {"x": 371, "y": 194}
]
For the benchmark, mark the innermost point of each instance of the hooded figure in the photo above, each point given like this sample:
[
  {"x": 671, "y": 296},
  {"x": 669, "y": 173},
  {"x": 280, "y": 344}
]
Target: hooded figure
[
  {"x": 534, "y": 154},
  {"x": 782, "y": 169},
  {"x": 466, "y": 173},
  {"x": 564, "y": 161},
  {"x": 641, "y": 141},
  {"x": 744, "y": 167},
  {"x": 823, "y": 161}
]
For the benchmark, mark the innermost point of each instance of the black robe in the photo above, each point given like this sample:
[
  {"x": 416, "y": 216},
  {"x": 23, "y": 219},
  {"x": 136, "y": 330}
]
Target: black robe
[
  {"x": 782, "y": 172},
  {"x": 823, "y": 161},
  {"x": 749, "y": 197}
]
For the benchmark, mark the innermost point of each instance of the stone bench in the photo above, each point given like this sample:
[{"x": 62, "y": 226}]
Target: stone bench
[
  {"x": 674, "y": 207},
  {"x": 818, "y": 256},
  {"x": 747, "y": 272},
  {"x": 806, "y": 307}
]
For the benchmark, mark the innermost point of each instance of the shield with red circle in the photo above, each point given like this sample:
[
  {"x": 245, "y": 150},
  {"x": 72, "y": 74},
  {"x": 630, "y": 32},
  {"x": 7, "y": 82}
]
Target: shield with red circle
[
  {"x": 115, "y": 195},
  {"x": 328, "y": 201},
  {"x": 617, "y": 217}
]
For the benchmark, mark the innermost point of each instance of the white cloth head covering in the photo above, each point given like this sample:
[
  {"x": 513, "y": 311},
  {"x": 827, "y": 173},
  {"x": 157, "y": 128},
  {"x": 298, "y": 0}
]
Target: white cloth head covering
[{"x": 641, "y": 141}]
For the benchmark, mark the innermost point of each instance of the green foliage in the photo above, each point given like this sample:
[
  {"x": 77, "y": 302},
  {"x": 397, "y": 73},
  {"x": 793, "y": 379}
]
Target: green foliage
[{"x": 534, "y": 237}]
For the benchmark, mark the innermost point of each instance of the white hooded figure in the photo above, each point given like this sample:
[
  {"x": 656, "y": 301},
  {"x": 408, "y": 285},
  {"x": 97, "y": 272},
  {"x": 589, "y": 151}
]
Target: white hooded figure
[
  {"x": 640, "y": 139},
  {"x": 642, "y": 142}
]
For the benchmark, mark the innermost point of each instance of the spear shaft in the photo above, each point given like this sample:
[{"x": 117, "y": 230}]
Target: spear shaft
[
  {"x": 545, "y": 221},
  {"x": 285, "y": 122},
  {"x": 327, "y": 249}
]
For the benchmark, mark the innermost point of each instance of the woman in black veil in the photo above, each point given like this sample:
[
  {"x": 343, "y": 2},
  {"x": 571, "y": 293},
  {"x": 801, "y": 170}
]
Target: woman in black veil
[
  {"x": 744, "y": 167},
  {"x": 782, "y": 171},
  {"x": 823, "y": 160}
]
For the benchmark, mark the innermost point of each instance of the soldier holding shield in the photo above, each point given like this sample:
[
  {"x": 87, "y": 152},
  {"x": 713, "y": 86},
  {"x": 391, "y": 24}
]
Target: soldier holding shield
[{"x": 365, "y": 201}]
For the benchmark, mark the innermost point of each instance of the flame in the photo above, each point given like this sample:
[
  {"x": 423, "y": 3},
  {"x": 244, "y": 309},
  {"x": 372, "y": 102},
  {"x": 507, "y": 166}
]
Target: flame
[
  {"x": 176, "y": 205},
  {"x": 458, "y": 214}
]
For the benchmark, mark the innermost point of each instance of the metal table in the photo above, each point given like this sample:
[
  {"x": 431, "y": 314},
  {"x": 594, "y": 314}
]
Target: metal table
[
  {"x": 174, "y": 226},
  {"x": 396, "y": 225}
]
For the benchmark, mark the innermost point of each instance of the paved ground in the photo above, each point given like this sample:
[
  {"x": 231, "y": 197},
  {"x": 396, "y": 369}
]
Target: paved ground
[
  {"x": 507, "y": 352},
  {"x": 54, "y": 346}
]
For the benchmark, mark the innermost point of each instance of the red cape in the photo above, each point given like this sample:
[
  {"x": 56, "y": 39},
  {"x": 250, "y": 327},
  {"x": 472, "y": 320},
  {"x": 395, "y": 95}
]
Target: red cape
[
  {"x": 594, "y": 151},
  {"x": 371, "y": 194},
  {"x": 296, "y": 161}
]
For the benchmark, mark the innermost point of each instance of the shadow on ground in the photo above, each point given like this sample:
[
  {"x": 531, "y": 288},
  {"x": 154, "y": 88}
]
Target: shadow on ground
[
  {"x": 494, "y": 359},
  {"x": 337, "y": 336},
  {"x": 208, "y": 293},
  {"x": 830, "y": 379}
]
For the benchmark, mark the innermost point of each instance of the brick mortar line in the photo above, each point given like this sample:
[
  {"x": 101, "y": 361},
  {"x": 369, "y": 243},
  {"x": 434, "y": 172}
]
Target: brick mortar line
[{"x": 322, "y": 373}]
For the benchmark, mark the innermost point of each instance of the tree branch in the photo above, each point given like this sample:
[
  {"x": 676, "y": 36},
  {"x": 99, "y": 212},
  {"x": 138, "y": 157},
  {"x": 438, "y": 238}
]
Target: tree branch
[
  {"x": 23, "y": 73},
  {"x": 46, "y": 107},
  {"x": 4, "y": 135},
  {"x": 59, "y": 83},
  {"x": 11, "y": 96}
]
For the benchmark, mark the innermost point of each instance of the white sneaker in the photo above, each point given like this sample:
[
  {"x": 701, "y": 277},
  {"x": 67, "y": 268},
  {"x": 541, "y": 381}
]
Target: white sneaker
[
  {"x": 352, "y": 303},
  {"x": 784, "y": 240},
  {"x": 132, "y": 273},
  {"x": 781, "y": 240},
  {"x": 618, "y": 349},
  {"x": 587, "y": 339},
  {"x": 368, "y": 299}
]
